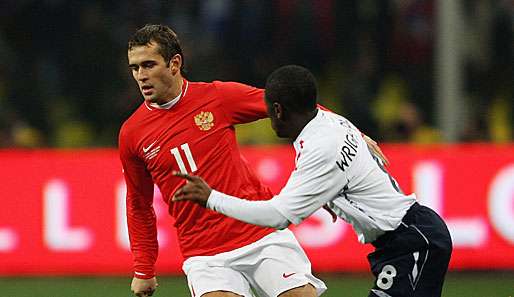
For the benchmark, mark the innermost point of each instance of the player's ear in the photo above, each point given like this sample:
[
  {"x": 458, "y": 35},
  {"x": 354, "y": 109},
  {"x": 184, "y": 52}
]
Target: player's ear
[
  {"x": 175, "y": 64},
  {"x": 279, "y": 112}
]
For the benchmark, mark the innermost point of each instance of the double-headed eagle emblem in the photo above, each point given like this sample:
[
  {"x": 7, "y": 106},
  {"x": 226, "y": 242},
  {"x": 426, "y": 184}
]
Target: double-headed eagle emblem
[{"x": 204, "y": 120}]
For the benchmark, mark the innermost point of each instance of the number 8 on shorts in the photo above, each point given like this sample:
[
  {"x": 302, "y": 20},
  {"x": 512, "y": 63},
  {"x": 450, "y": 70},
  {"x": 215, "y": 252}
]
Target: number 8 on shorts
[{"x": 385, "y": 278}]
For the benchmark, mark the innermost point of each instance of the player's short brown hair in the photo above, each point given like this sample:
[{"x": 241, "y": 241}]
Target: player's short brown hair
[{"x": 167, "y": 39}]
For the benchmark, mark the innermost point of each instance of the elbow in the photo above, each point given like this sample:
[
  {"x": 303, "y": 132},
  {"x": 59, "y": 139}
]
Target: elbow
[{"x": 281, "y": 225}]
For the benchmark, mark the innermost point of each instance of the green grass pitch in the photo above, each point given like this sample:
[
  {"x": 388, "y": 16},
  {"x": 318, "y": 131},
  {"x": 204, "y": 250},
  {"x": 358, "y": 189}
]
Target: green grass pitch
[{"x": 482, "y": 284}]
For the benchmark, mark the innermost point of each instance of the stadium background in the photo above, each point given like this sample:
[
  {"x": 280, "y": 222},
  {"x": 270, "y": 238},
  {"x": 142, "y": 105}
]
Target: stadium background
[{"x": 435, "y": 75}]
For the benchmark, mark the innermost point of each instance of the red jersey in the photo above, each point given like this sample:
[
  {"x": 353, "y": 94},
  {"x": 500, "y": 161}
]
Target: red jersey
[{"x": 196, "y": 135}]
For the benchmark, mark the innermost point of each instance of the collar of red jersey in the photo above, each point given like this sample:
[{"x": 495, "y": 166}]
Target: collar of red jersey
[{"x": 171, "y": 103}]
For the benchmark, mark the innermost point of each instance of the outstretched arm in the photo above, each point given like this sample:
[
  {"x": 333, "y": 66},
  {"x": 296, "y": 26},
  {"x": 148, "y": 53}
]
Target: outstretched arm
[
  {"x": 261, "y": 213},
  {"x": 312, "y": 184}
]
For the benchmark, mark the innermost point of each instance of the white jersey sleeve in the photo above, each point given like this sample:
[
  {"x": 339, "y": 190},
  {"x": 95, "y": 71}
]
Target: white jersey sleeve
[
  {"x": 259, "y": 212},
  {"x": 315, "y": 181}
]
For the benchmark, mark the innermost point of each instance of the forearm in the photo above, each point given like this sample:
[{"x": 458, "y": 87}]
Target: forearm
[
  {"x": 143, "y": 240},
  {"x": 261, "y": 213},
  {"x": 141, "y": 218}
]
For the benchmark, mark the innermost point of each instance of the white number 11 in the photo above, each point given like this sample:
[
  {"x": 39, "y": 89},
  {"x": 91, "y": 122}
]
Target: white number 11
[{"x": 185, "y": 147}]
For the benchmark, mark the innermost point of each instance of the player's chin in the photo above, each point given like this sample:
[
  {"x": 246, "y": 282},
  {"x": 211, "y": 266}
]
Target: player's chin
[{"x": 150, "y": 98}]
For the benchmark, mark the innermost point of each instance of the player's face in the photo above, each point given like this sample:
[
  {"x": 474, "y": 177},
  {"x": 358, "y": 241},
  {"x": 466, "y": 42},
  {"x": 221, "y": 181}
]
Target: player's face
[{"x": 157, "y": 80}]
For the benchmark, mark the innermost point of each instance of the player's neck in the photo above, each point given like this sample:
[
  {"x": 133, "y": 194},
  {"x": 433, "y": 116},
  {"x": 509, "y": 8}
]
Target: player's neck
[
  {"x": 177, "y": 88},
  {"x": 174, "y": 95},
  {"x": 299, "y": 121}
]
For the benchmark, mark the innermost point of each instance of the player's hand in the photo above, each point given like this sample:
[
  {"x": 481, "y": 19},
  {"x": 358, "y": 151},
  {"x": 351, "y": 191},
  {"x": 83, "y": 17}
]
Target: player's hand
[
  {"x": 376, "y": 149},
  {"x": 143, "y": 287},
  {"x": 196, "y": 189}
]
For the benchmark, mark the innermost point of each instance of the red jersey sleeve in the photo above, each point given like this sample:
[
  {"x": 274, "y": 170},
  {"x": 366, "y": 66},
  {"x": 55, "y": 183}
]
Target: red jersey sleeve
[
  {"x": 324, "y": 108},
  {"x": 141, "y": 218},
  {"x": 241, "y": 103}
]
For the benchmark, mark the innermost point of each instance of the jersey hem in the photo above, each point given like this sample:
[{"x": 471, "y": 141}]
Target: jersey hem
[{"x": 211, "y": 252}]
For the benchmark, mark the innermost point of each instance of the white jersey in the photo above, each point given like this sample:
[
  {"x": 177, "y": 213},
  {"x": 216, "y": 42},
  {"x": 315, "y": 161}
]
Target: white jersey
[{"x": 335, "y": 167}]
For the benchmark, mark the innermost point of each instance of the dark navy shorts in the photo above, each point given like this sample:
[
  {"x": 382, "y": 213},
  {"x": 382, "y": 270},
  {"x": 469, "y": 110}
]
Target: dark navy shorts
[{"x": 413, "y": 259}]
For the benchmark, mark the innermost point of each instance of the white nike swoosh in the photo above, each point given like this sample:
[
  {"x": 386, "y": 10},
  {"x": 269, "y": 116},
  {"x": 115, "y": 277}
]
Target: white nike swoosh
[{"x": 145, "y": 149}]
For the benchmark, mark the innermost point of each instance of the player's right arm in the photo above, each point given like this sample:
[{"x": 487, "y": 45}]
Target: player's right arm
[{"x": 141, "y": 218}]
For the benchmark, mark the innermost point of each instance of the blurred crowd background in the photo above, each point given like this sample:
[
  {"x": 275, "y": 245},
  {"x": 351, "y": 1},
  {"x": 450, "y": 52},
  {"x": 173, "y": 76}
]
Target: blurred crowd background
[{"x": 64, "y": 80}]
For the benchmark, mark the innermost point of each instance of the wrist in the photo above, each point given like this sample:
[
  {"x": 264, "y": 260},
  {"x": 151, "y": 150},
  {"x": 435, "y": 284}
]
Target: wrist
[
  {"x": 211, "y": 201},
  {"x": 141, "y": 275}
]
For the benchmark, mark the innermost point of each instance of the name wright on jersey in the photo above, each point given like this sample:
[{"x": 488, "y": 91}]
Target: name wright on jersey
[{"x": 348, "y": 152}]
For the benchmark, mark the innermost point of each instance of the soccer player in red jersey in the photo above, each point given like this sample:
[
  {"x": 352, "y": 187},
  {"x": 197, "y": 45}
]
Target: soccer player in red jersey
[{"x": 189, "y": 127}]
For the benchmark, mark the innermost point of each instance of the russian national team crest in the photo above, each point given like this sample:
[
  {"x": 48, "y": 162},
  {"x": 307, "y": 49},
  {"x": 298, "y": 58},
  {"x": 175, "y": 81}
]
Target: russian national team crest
[{"x": 204, "y": 120}]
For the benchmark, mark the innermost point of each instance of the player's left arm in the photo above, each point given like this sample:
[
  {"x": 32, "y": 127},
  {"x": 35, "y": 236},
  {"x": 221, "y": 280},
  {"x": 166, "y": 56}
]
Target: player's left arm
[
  {"x": 245, "y": 104},
  {"x": 261, "y": 212},
  {"x": 241, "y": 103},
  {"x": 311, "y": 186}
]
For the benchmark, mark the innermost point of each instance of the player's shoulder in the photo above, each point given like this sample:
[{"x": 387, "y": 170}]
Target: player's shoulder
[
  {"x": 341, "y": 125},
  {"x": 341, "y": 141},
  {"x": 200, "y": 85},
  {"x": 134, "y": 119},
  {"x": 215, "y": 86},
  {"x": 211, "y": 84},
  {"x": 329, "y": 132},
  {"x": 317, "y": 137},
  {"x": 225, "y": 84},
  {"x": 327, "y": 124},
  {"x": 337, "y": 121},
  {"x": 230, "y": 86}
]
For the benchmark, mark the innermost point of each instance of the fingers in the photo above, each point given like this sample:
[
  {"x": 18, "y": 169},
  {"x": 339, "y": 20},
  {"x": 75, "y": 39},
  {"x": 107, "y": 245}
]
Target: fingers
[
  {"x": 179, "y": 194},
  {"x": 184, "y": 176},
  {"x": 191, "y": 178},
  {"x": 177, "y": 197},
  {"x": 369, "y": 139},
  {"x": 146, "y": 293},
  {"x": 381, "y": 155},
  {"x": 376, "y": 149},
  {"x": 143, "y": 287},
  {"x": 183, "y": 193},
  {"x": 196, "y": 189}
]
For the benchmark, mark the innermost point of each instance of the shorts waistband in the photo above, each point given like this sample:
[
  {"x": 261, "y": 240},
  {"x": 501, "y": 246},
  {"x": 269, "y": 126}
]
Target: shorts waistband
[{"x": 407, "y": 220}]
